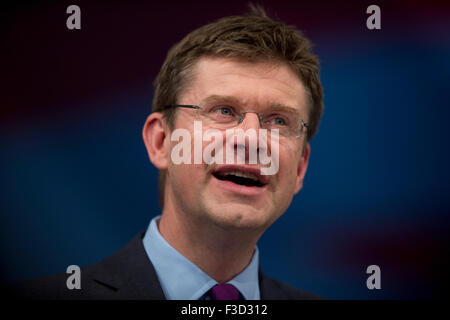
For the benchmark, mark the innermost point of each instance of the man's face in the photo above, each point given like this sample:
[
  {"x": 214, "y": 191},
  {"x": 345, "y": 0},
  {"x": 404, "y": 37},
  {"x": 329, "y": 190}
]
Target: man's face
[{"x": 195, "y": 189}]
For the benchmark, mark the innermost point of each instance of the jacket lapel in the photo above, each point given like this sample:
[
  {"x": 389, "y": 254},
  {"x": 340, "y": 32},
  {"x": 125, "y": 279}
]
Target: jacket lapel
[{"x": 129, "y": 274}]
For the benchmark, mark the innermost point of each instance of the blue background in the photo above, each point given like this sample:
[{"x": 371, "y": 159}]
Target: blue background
[{"x": 76, "y": 182}]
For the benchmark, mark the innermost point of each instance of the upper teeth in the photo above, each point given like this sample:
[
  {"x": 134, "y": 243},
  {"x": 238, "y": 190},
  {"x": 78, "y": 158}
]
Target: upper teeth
[{"x": 242, "y": 174}]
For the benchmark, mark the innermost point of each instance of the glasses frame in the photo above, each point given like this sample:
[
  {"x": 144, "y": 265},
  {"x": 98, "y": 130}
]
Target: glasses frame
[{"x": 241, "y": 117}]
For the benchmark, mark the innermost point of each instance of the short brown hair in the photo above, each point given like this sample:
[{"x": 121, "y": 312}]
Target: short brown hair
[{"x": 253, "y": 37}]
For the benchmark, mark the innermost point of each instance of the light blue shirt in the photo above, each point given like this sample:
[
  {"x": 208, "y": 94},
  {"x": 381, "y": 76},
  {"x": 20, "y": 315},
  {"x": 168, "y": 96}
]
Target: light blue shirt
[{"x": 180, "y": 279}]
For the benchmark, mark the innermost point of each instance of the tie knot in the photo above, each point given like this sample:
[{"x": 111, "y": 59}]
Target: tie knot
[{"x": 224, "y": 291}]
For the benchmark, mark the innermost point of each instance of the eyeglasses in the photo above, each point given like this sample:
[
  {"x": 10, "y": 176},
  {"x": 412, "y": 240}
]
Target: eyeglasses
[{"x": 223, "y": 117}]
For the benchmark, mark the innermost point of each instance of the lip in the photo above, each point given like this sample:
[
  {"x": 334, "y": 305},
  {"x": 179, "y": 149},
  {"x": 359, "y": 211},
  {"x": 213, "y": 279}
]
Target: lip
[
  {"x": 256, "y": 171},
  {"x": 237, "y": 188}
]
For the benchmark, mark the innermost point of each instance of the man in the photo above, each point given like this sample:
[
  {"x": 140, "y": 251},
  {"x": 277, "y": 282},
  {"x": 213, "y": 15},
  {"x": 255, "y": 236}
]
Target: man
[{"x": 246, "y": 72}]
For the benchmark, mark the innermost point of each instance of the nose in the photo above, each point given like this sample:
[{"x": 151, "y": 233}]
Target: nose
[
  {"x": 250, "y": 120},
  {"x": 249, "y": 142}
]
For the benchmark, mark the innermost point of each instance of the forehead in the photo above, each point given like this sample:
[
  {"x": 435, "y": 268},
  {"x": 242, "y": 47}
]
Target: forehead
[{"x": 253, "y": 84}]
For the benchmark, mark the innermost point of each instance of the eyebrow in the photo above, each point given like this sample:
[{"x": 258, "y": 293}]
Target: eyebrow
[
  {"x": 221, "y": 99},
  {"x": 235, "y": 101}
]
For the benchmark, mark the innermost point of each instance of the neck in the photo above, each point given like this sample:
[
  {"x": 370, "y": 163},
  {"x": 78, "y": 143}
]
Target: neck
[{"x": 221, "y": 253}]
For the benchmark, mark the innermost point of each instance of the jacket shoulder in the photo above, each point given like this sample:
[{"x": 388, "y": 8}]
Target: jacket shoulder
[
  {"x": 127, "y": 274},
  {"x": 54, "y": 287}
]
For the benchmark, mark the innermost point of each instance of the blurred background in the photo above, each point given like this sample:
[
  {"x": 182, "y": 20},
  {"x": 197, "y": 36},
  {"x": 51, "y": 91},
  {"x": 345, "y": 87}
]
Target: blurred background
[{"x": 76, "y": 183}]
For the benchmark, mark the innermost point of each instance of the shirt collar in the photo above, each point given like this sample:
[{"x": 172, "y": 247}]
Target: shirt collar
[{"x": 180, "y": 279}]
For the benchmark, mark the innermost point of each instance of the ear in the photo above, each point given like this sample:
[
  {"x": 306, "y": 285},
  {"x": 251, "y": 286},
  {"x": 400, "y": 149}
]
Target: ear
[
  {"x": 302, "y": 166},
  {"x": 155, "y": 133}
]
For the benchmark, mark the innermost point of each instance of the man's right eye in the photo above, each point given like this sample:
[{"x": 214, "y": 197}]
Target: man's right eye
[{"x": 224, "y": 111}]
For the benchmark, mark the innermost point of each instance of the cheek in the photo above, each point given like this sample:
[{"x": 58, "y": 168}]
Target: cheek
[
  {"x": 186, "y": 173},
  {"x": 289, "y": 160}
]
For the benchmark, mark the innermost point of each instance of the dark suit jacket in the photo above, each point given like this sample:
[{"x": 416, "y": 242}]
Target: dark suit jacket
[{"x": 128, "y": 274}]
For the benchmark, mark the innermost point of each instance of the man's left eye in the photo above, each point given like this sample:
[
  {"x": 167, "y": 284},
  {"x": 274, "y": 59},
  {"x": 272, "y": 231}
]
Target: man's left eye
[{"x": 279, "y": 121}]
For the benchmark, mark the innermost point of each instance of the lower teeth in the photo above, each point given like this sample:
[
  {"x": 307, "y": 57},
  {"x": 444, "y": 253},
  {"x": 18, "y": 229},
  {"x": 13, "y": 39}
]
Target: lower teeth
[{"x": 241, "y": 181}]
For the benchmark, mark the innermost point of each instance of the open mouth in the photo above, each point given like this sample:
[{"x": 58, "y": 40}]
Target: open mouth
[{"x": 243, "y": 178}]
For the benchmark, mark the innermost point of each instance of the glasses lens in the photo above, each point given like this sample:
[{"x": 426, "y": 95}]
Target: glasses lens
[
  {"x": 220, "y": 116},
  {"x": 288, "y": 123}
]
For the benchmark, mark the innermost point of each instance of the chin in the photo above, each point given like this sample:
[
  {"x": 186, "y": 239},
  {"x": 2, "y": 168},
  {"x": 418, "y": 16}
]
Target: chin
[{"x": 238, "y": 216}]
